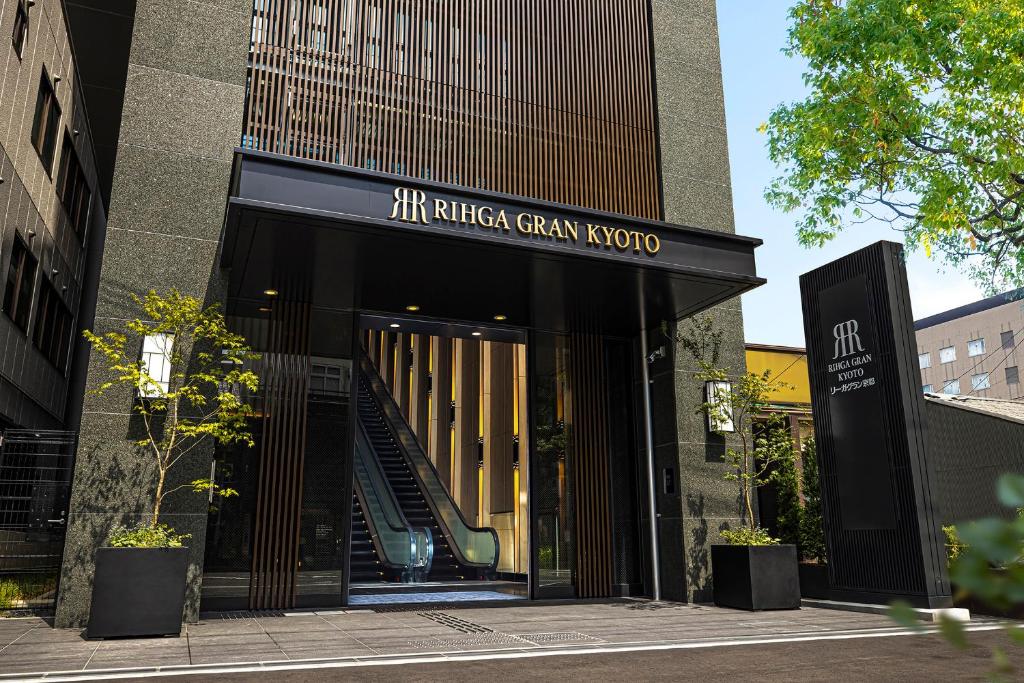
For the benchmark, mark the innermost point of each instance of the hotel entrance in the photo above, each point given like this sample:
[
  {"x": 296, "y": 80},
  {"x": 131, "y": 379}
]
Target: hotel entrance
[
  {"x": 452, "y": 391},
  {"x": 440, "y": 510},
  {"x": 487, "y": 467}
]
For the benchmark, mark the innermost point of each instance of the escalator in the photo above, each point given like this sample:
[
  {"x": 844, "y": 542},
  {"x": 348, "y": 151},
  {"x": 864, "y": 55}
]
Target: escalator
[
  {"x": 460, "y": 551},
  {"x": 386, "y": 546}
]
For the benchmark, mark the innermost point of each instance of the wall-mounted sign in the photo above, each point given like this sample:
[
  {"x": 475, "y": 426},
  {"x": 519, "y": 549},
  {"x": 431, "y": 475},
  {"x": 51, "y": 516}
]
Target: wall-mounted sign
[{"x": 415, "y": 206}]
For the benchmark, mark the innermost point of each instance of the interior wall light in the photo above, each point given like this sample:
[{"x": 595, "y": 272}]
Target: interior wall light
[
  {"x": 271, "y": 292},
  {"x": 500, "y": 317},
  {"x": 477, "y": 334},
  {"x": 395, "y": 325},
  {"x": 412, "y": 308}
]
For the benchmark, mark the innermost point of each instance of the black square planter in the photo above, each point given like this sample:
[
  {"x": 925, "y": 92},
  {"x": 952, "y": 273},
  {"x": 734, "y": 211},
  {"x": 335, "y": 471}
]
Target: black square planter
[
  {"x": 755, "y": 577},
  {"x": 138, "y": 592}
]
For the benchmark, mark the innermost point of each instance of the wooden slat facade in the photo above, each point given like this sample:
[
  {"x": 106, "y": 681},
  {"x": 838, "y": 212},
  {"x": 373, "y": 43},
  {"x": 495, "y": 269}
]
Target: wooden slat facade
[
  {"x": 588, "y": 440},
  {"x": 285, "y": 379},
  {"x": 549, "y": 100}
]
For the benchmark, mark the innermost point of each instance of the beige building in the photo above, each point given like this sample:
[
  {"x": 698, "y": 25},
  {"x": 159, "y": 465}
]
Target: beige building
[{"x": 974, "y": 350}]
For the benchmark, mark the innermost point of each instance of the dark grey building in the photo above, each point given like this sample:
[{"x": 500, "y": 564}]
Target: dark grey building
[
  {"x": 52, "y": 216},
  {"x": 425, "y": 219}
]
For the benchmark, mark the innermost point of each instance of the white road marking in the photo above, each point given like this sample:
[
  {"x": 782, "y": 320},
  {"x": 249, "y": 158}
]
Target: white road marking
[{"x": 467, "y": 656}]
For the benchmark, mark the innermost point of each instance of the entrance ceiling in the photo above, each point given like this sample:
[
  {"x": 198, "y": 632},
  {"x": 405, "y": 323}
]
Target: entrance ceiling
[{"x": 335, "y": 236}]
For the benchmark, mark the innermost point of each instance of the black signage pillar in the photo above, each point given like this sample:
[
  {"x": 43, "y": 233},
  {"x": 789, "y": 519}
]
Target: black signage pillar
[{"x": 882, "y": 536}]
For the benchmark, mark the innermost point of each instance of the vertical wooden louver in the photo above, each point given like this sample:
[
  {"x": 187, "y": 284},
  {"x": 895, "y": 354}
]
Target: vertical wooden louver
[
  {"x": 285, "y": 379},
  {"x": 590, "y": 453},
  {"x": 549, "y": 100}
]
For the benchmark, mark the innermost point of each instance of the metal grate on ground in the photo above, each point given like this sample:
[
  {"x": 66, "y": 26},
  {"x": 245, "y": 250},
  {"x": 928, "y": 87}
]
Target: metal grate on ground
[{"x": 455, "y": 622}]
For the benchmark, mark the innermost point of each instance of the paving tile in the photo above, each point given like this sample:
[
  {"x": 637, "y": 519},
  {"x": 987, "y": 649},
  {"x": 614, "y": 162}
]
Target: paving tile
[{"x": 225, "y": 627}]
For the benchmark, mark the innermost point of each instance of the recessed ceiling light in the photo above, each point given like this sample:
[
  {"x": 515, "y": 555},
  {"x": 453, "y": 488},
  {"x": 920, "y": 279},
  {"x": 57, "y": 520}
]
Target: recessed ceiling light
[
  {"x": 395, "y": 325},
  {"x": 412, "y": 307},
  {"x": 264, "y": 309},
  {"x": 476, "y": 334},
  {"x": 270, "y": 292},
  {"x": 501, "y": 317}
]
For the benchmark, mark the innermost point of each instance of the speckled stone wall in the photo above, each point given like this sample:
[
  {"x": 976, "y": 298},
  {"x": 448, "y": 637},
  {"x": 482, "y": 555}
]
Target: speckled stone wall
[
  {"x": 697, "y": 193},
  {"x": 182, "y": 118}
]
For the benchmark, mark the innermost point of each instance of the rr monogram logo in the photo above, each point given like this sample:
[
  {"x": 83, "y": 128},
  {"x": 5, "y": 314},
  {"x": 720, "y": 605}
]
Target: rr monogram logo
[
  {"x": 410, "y": 206},
  {"x": 847, "y": 339}
]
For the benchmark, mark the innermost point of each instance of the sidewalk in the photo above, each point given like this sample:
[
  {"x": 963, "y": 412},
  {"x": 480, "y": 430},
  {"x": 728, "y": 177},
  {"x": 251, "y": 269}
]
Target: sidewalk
[{"x": 30, "y": 646}]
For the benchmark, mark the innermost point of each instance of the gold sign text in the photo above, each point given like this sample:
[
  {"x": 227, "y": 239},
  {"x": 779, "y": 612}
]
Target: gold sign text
[{"x": 412, "y": 206}]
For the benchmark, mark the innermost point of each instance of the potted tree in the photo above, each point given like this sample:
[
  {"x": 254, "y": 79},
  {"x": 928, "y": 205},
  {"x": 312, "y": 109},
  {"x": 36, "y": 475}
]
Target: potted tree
[
  {"x": 752, "y": 570},
  {"x": 186, "y": 387}
]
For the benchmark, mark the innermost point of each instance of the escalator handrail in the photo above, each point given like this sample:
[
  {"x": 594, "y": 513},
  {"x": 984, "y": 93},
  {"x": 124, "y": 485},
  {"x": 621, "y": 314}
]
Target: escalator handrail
[
  {"x": 386, "y": 404},
  {"x": 403, "y": 526}
]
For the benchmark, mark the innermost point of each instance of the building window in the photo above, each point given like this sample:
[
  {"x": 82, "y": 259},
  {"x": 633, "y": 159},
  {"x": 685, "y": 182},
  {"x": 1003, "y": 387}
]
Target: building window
[
  {"x": 72, "y": 187},
  {"x": 951, "y": 387},
  {"x": 326, "y": 380},
  {"x": 948, "y": 354},
  {"x": 53, "y": 327},
  {"x": 44, "y": 125},
  {"x": 975, "y": 347},
  {"x": 1012, "y": 376},
  {"x": 927, "y": 389},
  {"x": 20, "y": 28},
  {"x": 156, "y": 363},
  {"x": 1007, "y": 339},
  {"x": 21, "y": 277},
  {"x": 924, "y": 360},
  {"x": 980, "y": 381}
]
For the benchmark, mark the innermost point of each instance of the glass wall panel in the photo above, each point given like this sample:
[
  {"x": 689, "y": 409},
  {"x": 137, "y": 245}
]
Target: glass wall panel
[{"x": 552, "y": 495}]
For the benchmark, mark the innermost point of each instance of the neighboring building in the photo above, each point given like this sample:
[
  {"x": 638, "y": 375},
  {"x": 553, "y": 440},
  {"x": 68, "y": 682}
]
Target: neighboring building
[
  {"x": 491, "y": 216},
  {"x": 52, "y": 218},
  {"x": 791, "y": 396},
  {"x": 972, "y": 442},
  {"x": 973, "y": 350}
]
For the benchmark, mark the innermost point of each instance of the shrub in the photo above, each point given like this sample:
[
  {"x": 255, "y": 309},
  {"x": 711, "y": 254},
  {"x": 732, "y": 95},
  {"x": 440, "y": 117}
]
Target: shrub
[
  {"x": 812, "y": 530},
  {"x": 747, "y": 536},
  {"x": 145, "y": 536},
  {"x": 954, "y": 546}
]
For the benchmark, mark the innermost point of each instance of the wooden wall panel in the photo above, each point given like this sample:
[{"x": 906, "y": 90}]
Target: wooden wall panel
[{"x": 550, "y": 100}]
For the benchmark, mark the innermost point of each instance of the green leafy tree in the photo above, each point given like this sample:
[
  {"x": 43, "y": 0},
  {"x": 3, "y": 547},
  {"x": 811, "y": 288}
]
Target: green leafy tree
[
  {"x": 812, "y": 524},
  {"x": 914, "y": 117},
  {"x": 199, "y": 402}
]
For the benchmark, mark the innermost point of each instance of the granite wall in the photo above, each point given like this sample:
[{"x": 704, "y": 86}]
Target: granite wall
[
  {"x": 697, "y": 193},
  {"x": 182, "y": 118}
]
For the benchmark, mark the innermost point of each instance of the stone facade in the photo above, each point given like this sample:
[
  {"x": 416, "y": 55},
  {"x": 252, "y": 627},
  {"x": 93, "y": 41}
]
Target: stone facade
[
  {"x": 697, "y": 192},
  {"x": 181, "y": 120}
]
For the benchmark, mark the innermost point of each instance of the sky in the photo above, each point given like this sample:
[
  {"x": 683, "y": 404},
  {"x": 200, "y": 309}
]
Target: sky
[{"x": 758, "y": 77}]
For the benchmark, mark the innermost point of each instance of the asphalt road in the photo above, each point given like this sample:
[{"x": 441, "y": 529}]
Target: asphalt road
[{"x": 900, "y": 658}]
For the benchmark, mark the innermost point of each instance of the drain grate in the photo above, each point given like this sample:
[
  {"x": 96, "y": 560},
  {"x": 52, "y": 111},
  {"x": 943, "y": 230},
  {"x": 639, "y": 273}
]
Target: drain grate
[
  {"x": 455, "y": 622},
  {"x": 495, "y": 639},
  {"x": 561, "y": 637},
  {"x": 244, "y": 614}
]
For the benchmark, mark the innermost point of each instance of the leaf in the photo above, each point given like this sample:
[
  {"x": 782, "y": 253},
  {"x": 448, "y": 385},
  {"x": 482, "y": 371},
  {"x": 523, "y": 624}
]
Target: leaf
[
  {"x": 1011, "y": 490},
  {"x": 954, "y": 632},
  {"x": 903, "y": 614}
]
